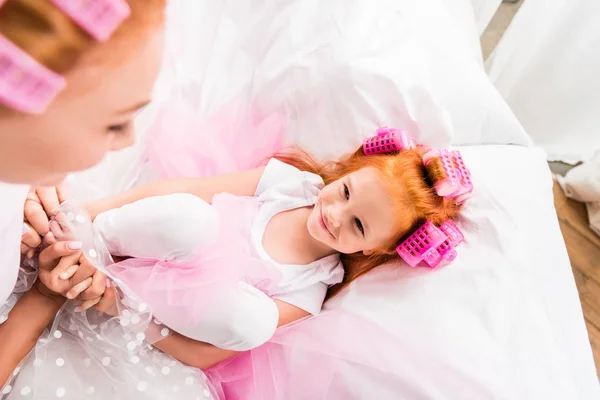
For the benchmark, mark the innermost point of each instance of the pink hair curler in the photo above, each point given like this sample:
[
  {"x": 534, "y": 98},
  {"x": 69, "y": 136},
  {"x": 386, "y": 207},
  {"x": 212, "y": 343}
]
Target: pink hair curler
[
  {"x": 431, "y": 244},
  {"x": 388, "y": 140},
  {"x": 99, "y": 18},
  {"x": 447, "y": 250},
  {"x": 464, "y": 175},
  {"x": 422, "y": 244},
  {"x": 457, "y": 183},
  {"x": 25, "y": 84}
]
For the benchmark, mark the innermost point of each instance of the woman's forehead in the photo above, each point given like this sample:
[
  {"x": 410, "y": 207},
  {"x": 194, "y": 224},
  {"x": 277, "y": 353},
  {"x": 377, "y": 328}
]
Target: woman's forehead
[{"x": 117, "y": 87}]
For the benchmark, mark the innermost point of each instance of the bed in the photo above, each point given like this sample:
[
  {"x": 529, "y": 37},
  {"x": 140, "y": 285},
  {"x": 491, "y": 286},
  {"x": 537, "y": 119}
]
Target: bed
[{"x": 504, "y": 320}]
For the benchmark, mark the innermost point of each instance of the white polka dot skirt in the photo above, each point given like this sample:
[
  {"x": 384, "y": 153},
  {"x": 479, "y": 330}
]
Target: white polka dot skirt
[{"x": 75, "y": 362}]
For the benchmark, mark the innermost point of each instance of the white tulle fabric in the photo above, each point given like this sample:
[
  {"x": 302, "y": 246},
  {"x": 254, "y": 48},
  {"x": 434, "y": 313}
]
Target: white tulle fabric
[{"x": 89, "y": 355}]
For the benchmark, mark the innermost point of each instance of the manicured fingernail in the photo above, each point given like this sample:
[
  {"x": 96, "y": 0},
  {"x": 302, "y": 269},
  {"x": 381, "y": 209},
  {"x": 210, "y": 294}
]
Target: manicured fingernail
[
  {"x": 72, "y": 295},
  {"x": 77, "y": 309},
  {"x": 69, "y": 272},
  {"x": 25, "y": 228},
  {"x": 74, "y": 245}
]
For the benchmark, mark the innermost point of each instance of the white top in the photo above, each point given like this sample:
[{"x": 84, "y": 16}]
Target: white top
[
  {"x": 12, "y": 200},
  {"x": 283, "y": 187}
]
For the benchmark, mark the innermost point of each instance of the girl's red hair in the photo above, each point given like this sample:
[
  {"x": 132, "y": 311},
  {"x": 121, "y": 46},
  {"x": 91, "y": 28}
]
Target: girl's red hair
[{"x": 410, "y": 185}]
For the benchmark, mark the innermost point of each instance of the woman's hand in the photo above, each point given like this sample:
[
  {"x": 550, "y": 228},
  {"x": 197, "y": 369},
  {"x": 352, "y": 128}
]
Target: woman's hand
[
  {"x": 64, "y": 271},
  {"x": 58, "y": 264},
  {"x": 39, "y": 206}
]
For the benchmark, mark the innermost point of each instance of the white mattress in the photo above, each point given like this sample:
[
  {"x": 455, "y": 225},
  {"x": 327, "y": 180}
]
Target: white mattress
[{"x": 504, "y": 320}]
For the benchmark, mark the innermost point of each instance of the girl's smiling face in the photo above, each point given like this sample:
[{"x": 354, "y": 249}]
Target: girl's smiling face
[{"x": 352, "y": 214}]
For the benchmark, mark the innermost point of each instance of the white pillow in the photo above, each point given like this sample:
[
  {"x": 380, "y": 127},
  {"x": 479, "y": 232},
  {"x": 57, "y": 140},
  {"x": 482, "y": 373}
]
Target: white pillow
[{"x": 336, "y": 70}]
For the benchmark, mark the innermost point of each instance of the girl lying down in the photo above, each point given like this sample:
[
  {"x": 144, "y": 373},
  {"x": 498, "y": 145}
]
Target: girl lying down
[{"x": 222, "y": 262}]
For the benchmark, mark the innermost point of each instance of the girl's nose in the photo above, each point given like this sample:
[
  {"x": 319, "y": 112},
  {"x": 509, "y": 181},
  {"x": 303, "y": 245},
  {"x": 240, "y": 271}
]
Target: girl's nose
[{"x": 335, "y": 216}]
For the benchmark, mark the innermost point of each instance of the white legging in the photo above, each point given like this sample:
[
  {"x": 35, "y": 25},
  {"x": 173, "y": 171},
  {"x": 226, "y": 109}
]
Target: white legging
[{"x": 245, "y": 318}]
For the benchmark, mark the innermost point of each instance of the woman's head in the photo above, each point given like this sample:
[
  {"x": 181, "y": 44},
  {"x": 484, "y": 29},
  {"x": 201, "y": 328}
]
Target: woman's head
[
  {"x": 370, "y": 204},
  {"x": 107, "y": 83}
]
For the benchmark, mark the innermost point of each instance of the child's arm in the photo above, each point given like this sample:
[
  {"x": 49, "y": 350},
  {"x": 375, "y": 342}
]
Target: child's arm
[
  {"x": 203, "y": 355},
  {"x": 239, "y": 183}
]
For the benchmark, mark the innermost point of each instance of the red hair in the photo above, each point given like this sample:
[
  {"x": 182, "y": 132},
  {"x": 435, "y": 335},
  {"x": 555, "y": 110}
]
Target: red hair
[{"x": 410, "y": 186}]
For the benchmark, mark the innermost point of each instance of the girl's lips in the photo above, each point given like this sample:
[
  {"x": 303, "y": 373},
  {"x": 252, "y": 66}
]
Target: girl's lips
[{"x": 323, "y": 223}]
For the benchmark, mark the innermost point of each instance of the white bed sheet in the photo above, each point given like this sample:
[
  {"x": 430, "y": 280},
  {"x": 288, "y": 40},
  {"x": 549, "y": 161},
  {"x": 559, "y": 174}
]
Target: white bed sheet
[{"x": 504, "y": 320}]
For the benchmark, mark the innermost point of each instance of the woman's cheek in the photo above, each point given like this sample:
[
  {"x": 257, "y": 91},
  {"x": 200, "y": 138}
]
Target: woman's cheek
[{"x": 84, "y": 156}]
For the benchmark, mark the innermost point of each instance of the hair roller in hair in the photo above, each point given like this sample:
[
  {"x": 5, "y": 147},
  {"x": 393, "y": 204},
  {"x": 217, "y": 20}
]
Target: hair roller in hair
[
  {"x": 25, "y": 84},
  {"x": 457, "y": 181},
  {"x": 464, "y": 175},
  {"x": 447, "y": 250},
  {"x": 422, "y": 244},
  {"x": 431, "y": 244},
  {"x": 99, "y": 18},
  {"x": 388, "y": 140}
]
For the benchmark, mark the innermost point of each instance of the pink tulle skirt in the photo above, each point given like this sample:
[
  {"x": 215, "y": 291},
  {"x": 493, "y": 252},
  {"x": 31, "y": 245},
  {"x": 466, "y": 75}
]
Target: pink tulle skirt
[
  {"x": 314, "y": 358},
  {"x": 178, "y": 291}
]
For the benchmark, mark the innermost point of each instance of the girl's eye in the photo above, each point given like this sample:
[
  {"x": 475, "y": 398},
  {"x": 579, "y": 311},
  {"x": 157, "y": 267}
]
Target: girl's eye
[
  {"x": 346, "y": 192},
  {"x": 119, "y": 128},
  {"x": 359, "y": 225}
]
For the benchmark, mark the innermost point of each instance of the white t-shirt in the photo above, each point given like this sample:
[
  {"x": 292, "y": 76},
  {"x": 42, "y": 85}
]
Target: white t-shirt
[
  {"x": 12, "y": 199},
  {"x": 283, "y": 187}
]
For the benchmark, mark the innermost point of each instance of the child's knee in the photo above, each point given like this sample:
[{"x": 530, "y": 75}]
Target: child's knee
[{"x": 244, "y": 319}]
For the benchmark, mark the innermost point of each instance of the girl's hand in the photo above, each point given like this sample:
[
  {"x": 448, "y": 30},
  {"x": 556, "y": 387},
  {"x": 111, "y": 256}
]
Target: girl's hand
[
  {"x": 39, "y": 206},
  {"x": 108, "y": 303},
  {"x": 95, "y": 293}
]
